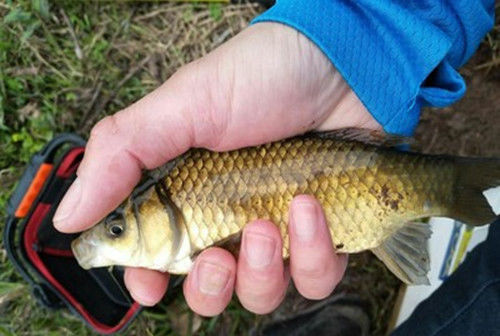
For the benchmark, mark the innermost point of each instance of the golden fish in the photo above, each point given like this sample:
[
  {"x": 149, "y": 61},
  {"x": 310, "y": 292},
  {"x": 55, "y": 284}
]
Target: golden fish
[{"x": 373, "y": 197}]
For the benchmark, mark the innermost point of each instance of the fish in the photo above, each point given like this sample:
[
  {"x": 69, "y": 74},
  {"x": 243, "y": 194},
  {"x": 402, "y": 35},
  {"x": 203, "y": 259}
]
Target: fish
[{"x": 375, "y": 196}]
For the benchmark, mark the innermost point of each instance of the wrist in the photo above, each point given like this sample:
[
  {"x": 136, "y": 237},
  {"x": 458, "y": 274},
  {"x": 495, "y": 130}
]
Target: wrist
[{"x": 335, "y": 103}]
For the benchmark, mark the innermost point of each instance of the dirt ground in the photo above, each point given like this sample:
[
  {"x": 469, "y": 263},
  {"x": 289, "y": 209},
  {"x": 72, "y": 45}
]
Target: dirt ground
[{"x": 471, "y": 127}]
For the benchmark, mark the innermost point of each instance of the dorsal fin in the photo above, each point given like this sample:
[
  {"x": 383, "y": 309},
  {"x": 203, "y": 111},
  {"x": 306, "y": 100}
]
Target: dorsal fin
[
  {"x": 405, "y": 253},
  {"x": 368, "y": 136}
]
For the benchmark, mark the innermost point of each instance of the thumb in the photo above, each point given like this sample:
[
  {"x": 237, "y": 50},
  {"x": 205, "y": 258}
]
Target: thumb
[{"x": 143, "y": 136}]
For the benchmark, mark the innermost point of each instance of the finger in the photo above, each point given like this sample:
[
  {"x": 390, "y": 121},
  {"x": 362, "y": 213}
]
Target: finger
[
  {"x": 146, "y": 286},
  {"x": 314, "y": 266},
  {"x": 261, "y": 282},
  {"x": 208, "y": 288}
]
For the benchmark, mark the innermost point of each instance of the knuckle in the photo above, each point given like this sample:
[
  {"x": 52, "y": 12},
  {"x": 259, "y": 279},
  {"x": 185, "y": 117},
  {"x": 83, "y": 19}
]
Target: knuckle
[
  {"x": 203, "y": 309},
  {"x": 262, "y": 302},
  {"x": 252, "y": 294},
  {"x": 313, "y": 271},
  {"x": 107, "y": 125},
  {"x": 315, "y": 281},
  {"x": 316, "y": 292},
  {"x": 260, "y": 295}
]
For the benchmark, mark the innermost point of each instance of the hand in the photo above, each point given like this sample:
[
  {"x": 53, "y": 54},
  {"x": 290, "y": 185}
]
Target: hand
[{"x": 267, "y": 83}]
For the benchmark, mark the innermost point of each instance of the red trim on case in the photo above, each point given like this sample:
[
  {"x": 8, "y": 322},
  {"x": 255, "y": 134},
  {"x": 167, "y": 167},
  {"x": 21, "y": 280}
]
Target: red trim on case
[
  {"x": 30, "y": 239},
  {"x": 67, "y": 167},
  {"x": 31, "y": 230},
  {"x": 57, "y": 252},
  {"x": 70, "y": 163}
]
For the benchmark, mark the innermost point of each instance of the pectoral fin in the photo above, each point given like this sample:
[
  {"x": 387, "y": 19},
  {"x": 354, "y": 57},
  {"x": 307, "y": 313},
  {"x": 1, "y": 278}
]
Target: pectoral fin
[
  {"x": 405, "y": 253},
  {"x": 182, "y": 266}
]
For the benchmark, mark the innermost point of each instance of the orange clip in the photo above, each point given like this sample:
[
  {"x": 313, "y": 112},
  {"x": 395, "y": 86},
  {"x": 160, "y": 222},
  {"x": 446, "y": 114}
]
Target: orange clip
[{"x": 33, "y": 190}]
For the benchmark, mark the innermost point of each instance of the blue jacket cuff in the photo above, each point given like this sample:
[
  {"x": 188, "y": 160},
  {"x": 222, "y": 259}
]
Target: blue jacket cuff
[{"x": 395, "y": 56}]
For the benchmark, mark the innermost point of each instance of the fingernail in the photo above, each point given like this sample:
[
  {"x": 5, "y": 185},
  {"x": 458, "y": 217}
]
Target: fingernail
[
  {"x": 304, "y": 220},
  {"x": 212, "y": 278},
  {"x": 143, "y": 300},
  {"x": 259, "y": 249},
  {"x": 68, "y": 204}
]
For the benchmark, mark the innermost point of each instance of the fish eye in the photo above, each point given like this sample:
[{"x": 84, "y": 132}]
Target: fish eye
[
  {"x": 116, "y": 229},
  {"x": 115, "y": 225}
]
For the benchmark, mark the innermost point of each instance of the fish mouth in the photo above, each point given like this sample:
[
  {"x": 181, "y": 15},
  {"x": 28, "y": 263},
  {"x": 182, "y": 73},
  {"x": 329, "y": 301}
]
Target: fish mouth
[{"x": 84, "y": 252}]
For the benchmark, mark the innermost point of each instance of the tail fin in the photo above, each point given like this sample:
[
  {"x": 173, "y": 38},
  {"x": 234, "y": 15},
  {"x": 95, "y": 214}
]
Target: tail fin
[{"x": 474, "y": 177}]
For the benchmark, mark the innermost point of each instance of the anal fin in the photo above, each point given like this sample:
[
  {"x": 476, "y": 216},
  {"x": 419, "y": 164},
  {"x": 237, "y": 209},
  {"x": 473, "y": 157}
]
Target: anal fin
[{"x": 405, "y": 253}]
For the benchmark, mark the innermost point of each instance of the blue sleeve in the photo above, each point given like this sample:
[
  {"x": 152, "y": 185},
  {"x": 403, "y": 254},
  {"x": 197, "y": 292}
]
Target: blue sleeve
[{"x": 397, "y": 56}]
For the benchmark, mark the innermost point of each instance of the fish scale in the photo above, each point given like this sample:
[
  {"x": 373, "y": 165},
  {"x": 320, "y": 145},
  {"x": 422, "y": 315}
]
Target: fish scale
[{"x": 367, "y": 192}]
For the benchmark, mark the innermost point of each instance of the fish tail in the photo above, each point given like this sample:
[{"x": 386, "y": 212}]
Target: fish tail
[{"x": 474, "y": 176}]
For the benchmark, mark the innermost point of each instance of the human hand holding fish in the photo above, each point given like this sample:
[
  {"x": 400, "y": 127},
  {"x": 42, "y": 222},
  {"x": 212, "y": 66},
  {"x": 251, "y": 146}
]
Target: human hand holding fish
[{"x": 266, "y": 84}]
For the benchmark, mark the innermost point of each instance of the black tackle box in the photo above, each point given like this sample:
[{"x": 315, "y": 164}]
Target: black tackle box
[{"x": 42, "y": 255}]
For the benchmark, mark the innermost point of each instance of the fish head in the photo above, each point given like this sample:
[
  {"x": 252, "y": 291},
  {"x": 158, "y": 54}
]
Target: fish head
[
  {"x": 141, "y": 233},
  {"x": 113, "y": 241}
]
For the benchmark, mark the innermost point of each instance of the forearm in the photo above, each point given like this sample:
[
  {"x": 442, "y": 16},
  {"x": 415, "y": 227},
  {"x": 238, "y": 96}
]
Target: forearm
[{"x": 397, "y": 57}]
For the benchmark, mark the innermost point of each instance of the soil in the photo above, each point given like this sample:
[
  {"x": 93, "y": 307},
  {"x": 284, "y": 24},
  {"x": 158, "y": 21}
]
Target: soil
[{"x": 471, "y": 127}]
